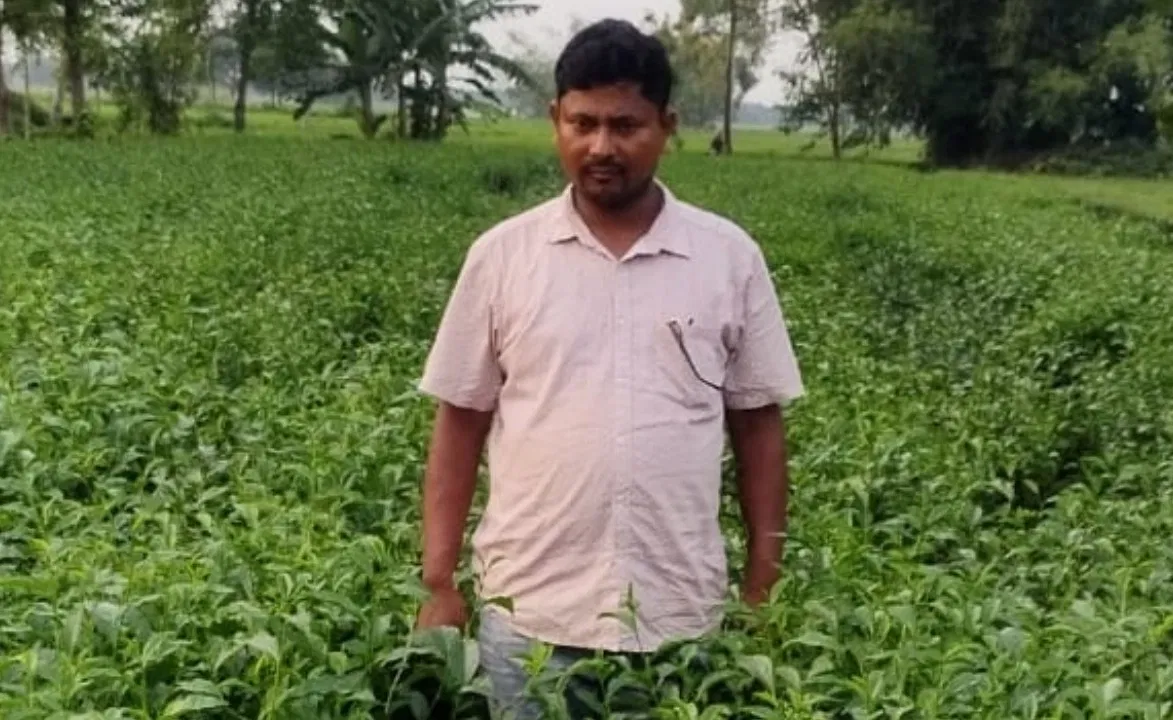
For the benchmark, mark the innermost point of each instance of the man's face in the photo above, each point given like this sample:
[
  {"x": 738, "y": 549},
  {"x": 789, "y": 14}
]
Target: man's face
[{"x": 610, "y": 140}]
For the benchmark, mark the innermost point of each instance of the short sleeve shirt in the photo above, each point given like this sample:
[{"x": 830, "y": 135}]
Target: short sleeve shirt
[{"x": 609, "y": 379}]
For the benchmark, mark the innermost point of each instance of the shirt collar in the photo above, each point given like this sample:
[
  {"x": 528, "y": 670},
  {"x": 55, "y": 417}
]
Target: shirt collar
[{"x": 666, "y": 235}]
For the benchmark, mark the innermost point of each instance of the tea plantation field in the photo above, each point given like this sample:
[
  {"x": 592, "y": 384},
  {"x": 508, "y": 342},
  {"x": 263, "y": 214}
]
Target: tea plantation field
[{"x": 211, "y": 446}]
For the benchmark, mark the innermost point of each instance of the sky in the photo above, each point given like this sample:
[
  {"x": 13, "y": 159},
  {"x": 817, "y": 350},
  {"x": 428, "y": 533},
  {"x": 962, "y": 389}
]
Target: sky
[{"x": 549, "y": 29}]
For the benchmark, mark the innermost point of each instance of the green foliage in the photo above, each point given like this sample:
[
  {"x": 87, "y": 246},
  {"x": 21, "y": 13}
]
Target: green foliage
[
  {"x": 1165, "y": 118},
  {"x": 211, "y": 446},
  {"x": 698, "y": 49},
  {"x": 29, "y": 21},
  {"x": 984, "y": 82},
  {"x": 1119, "y": 160},
  {"x": 152, "y": 71},
  {"x": 409, "y": 51},
  {"x": 861, "y": 66},
  {"x": 39, "y": 117}
]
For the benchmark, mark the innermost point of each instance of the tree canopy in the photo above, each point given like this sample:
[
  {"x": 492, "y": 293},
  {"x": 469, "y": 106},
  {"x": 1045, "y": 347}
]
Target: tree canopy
[
  {"x": 986, "y": 81},
  {"x": 982, "y": 82}
]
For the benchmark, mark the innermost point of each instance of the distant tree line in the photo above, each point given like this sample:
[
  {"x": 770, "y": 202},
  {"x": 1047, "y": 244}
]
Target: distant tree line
[
  {"x": 984, "y": 81},
  {"x": 152, "y": 56},
  {"x": 980, "y": 80}
]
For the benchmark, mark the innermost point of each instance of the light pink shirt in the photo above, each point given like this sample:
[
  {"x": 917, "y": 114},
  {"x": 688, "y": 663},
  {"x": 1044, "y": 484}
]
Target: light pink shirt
[{"x": 605, "y": 449}]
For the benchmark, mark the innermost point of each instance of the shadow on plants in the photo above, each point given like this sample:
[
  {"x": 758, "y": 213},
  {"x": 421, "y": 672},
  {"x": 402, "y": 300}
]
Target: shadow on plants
[
  {"x": 514, "y": 177},
  {"x": 1162, "y": 236},
  {"x": 435, "y": 675}
]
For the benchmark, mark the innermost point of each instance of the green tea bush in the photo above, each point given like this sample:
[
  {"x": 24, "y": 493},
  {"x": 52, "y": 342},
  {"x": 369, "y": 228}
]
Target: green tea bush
[
  {"x": 1126, "y": 159},
  {"x": 211, "y": 447}
]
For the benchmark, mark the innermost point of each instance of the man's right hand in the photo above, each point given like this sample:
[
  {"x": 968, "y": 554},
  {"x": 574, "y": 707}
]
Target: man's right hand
[
  {"x": 445, "y": 608},
  {"x": 450, "y": 479}
]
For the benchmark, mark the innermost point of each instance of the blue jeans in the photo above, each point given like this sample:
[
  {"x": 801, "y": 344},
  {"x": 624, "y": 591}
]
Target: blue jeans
[{"x": 502, "y": 655}]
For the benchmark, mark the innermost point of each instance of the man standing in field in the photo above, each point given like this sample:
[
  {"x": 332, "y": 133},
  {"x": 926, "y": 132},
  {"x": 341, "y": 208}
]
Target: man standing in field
[{"x": 600, "y": 343}]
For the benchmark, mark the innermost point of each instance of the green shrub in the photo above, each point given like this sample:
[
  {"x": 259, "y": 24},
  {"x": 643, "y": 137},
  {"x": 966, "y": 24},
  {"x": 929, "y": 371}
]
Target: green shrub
[{"x": 211, "y": 446}]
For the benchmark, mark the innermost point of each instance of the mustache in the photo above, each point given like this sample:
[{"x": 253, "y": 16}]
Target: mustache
[{"x": 610, "y": 167}]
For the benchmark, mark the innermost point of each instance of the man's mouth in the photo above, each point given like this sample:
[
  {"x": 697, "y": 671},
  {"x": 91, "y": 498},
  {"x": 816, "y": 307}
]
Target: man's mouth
[{"x": 603, "y": 173}]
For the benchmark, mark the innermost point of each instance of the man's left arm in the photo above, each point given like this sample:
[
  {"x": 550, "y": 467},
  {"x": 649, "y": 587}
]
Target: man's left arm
[
  {"x": 763, "y": 484},
  {"x": 762, "y": 378}
]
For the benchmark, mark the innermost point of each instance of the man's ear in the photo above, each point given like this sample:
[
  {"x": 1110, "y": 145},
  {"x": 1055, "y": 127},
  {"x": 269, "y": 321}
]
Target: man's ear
[
  {"x": 670, "y": 120},
  {"x": 554, "y": 111}
]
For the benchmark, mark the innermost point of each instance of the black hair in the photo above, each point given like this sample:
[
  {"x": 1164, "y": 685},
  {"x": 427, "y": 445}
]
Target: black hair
[{"x": 611, "y": 51}]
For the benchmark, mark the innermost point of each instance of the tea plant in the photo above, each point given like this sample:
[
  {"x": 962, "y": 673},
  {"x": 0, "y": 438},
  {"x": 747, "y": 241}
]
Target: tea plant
[{"x": 211, "y": 446}]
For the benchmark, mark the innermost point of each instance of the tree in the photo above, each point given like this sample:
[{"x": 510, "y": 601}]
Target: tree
[
  {"x": 220, "y": 58},
  {"x": 5, "y": 95},
  {"x": 1030, "y": 77},
  {"x": 698, "y": 57},
  {"x": 251, "y": 25},
  {"x": 293, "y": 52},
  {"x": 817, "y": 84},
  {"x": 30, "y": 22},
  {"x": 409, "y": 51},
  {"x": 153, "y": 60},
  {"x": 367, "y": 44},
  {"x": 745, "y": 26},
  {"x": 531, "y": 98},
  {"x": 862, "y": 66},
  {"x": 984, "y": 82},
  {"x": 1142, "y": 48},
  {"x": 460, "y": 65},
  {"x": 75, "y": 17}
]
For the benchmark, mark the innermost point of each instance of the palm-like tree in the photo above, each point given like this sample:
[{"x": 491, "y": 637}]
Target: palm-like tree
[
  {"x": 459, "y": 66},
  {"x": 382, "y": 44}
]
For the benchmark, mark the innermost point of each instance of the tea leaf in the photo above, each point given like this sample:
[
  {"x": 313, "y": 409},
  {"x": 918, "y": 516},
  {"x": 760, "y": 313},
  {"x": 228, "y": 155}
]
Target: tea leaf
[{"x": 192, "y": 703}]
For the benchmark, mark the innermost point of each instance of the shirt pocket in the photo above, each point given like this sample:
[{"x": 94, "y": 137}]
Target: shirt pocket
[{"x": 689, "y": 363}]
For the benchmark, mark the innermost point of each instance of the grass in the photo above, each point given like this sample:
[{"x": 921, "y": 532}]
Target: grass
[
  {"x": 1153, "y": 198},
  {"x": 210, "y": 446}
]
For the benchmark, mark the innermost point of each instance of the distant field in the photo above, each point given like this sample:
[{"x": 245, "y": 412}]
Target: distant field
[
  {"x": 323, "y": 121},
  {"x": 1142, "y": 197},
  {"x": 211, "y": 449}
]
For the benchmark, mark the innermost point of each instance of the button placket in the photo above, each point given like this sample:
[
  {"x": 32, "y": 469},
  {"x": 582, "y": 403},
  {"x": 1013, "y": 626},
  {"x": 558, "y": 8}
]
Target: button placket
[
  {"x": 624, "y": 383},
  {"x": 615, "y": 393}
]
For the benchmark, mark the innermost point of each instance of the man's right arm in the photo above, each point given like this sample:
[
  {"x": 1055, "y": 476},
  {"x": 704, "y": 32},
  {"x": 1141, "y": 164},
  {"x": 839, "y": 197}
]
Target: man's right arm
[
  {"x": 463, "y": 375},
  {"x": 449, "y": 484}
]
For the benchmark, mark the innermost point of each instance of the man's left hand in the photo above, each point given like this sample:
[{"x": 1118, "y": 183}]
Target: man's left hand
[{"x": 759, "y": 580}]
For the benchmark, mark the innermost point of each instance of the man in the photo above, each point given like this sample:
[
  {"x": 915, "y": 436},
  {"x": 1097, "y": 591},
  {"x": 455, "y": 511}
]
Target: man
[{"x": 600, "y": 343}]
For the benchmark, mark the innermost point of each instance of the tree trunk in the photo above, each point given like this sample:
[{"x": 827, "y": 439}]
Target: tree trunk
[
  {"x": 72, "y": 27},
  {"x": 419, "y": 105},
  {"x": 212, "y": 74},
  {"x": 242, "y": 80},
  {"x": 836, "y": 109},
  {"x": 59, "y": 98},
  {"x": 401, "y": 97},
  {"x": 27, "y": 101},
  {"x": 443, "y": 112},
  {"x": 727, "y": 129},
  {"x": 834, "y": 127},
  {"x": 5, "y": 96},
  {"x": 366, "y": 100}
]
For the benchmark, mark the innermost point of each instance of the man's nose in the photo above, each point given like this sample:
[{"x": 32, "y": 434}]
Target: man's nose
[{"x": 602, "y": 144}]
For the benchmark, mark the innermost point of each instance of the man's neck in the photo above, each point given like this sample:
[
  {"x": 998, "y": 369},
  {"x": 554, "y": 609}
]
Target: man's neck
[{"x": 619, "y": 230}]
